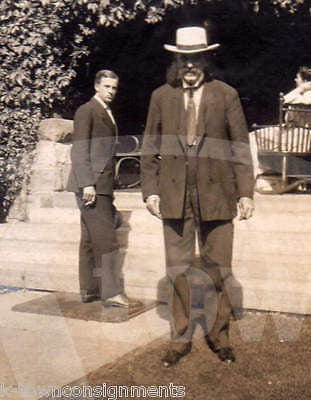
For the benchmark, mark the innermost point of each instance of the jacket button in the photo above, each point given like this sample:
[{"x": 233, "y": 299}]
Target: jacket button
[{"x": 173, "y": 180}]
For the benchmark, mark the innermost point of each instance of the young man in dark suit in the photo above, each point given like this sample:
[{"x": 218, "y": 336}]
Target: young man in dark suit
[
  {"x": 92, "y": 178},
  {"x": 196, "y": 168}
]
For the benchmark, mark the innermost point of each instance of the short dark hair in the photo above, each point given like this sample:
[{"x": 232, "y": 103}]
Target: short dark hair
[
  {"x": 305, "y": 73},
  {"x": 105, "y": 73}
]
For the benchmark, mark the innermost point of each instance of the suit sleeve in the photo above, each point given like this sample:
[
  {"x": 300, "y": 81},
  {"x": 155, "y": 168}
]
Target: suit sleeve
[
  {"x": 150, "y": 161},
  {"x": 241, "y": 155},
  {"x": 80, "y": 152}
]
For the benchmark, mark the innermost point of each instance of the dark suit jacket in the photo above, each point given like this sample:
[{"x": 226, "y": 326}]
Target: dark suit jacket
[
  {"x": 225, "y": 169},
  {"x": 92, "y": 149}
]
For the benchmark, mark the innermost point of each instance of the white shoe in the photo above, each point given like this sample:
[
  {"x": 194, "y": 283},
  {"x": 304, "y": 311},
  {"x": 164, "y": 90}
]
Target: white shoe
[{"x": 120, "y": 300}]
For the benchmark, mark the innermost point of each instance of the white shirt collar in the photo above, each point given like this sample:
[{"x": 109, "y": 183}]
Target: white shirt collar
[
  {"x": 106, "y": 107},
  {"x": 101, "y": 101}
]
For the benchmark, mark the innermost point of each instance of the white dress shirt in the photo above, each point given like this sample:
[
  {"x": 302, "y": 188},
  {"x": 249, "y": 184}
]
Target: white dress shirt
[
  {"x": 300, "y": 95},
  {"x": 197, "y": 95},
  {"x": 106, "y": 107}
]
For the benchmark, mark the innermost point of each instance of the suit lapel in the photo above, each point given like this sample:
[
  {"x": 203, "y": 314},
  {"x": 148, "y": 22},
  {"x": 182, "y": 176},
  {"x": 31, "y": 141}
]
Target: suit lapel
[
  {"x": 202, "y": 114},
  {"x": 180, "y": 116},
  {"x": 206, "y": 111},
  {"x": 103, "y": 114}
]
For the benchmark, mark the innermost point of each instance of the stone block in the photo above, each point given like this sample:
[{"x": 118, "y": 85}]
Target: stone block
[{"x": 56, "y": 129}]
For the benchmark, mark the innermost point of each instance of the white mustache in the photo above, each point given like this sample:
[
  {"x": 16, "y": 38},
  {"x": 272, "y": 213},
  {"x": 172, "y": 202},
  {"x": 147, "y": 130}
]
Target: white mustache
[{"x": 190, "y": 70}]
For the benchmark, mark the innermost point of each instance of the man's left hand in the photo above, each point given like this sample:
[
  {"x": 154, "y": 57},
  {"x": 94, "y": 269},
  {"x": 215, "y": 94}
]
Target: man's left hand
[{"x": 246, "y": 208}]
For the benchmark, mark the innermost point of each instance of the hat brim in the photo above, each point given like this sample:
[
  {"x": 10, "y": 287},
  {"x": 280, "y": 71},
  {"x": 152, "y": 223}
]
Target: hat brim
[{"x": 175, "y": 49}]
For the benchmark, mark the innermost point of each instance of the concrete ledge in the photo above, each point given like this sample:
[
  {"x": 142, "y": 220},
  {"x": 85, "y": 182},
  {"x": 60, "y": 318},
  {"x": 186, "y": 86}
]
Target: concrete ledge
[{"x": 270, "y": 258}]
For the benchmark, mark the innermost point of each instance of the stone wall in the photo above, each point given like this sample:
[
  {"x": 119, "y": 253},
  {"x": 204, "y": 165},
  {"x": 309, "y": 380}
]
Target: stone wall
[{"x": 51, "y": 165}]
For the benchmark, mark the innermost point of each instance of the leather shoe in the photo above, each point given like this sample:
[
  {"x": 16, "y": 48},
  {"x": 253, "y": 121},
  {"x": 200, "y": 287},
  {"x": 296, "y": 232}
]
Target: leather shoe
[
  {"x": 120, "y": 300},
  {"x": 172, "y": 356},
  {"x": 210, "y": 344},
  {"x": 88, "y": 298},
  {"x": 226, "y": 355}
]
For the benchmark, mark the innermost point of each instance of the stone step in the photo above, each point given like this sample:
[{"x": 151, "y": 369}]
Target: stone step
[
  {"x": 275, "y": 223},
  {"x": 275, "y": 295},
  {"x": 275, "y": 204},
  {"x": 284, "y": 274},
  {"x": 275, "y": 243},
  {"x": 286, "y": 222},
  {"x": 150, "y": 274},
  {"x": 284, "y": 214},
  {"x": 70, "y": 233},
  {"x": 42, "y": 276},
  {"x": 270, "y": 258},
  {"x": 59, "y": 215},
  {"x": 61, "y": 278},
  {"x": 40, "y": 232},
  {"x": 64, "y": 277},
  {"x": 253, "y": 261},
  {"x": 38, "y": 252},
  {"x": 66, "y": 254},
  {"x": 144, "y": 254},
  {"x": 250, "y": 294},
  {"x": 54, "y": 215},
  {"x": 138, "y": 266},
  {"x": 246, "y": 239},
  {"x": 244, "y": 257},
  {"x": 287, "y": 296},
  {"x": 281, "y": 270},
  {"x": 60, "y": 233},
  {"x": 279, "y": 291},
  {"x": 286, "y": 203},
  {"x": 274, "y": 286},
  {"x": 254, "y": 271},
  {"x": 48, "y": 199}
]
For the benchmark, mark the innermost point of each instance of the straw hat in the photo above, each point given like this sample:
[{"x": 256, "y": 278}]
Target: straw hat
[{"x": 189, "y": 40}]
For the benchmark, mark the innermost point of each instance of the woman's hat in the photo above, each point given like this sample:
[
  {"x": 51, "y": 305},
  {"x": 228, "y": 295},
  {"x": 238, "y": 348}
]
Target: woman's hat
[{"x": 189, "y": 40}]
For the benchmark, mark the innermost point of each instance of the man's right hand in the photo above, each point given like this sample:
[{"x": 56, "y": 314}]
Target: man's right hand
[
  {"x": 153, "y": 205},
  {"x": 305, "y": 86},
  {"x": 89, "y": 195}
]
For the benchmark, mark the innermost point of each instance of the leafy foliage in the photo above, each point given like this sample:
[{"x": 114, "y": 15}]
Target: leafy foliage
[{"x": 43, "y": 43}]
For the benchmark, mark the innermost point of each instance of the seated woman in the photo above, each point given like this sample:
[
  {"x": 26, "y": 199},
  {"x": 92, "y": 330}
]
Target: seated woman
[{"x": 300, "y": 95}]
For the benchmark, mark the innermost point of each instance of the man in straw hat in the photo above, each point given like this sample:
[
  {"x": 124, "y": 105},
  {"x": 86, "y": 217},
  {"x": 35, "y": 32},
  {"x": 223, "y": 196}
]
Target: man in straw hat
[{"x": 196, "y": 168}]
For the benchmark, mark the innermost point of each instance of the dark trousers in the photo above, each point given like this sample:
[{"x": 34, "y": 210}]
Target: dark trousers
[
  {"x": 98, "y": 252},
  {"x": 215, "y": 244}
]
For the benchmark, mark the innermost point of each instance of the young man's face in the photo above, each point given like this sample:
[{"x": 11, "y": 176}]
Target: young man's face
[
  {"x": 107, "y": 89},
  {"x": 191, "y": 67}
]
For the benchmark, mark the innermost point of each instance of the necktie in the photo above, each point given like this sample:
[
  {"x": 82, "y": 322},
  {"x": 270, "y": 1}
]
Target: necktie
[{"x": 191, "y": 119}]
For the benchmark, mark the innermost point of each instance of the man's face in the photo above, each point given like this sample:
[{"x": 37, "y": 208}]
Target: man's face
[
  {"x": 107, "y": 89},
  {"x": 191, "y": 67}
]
